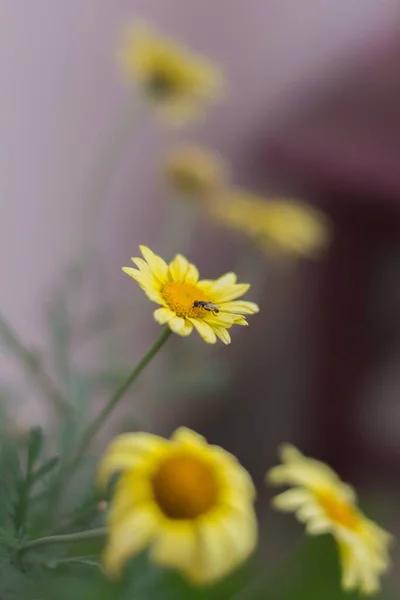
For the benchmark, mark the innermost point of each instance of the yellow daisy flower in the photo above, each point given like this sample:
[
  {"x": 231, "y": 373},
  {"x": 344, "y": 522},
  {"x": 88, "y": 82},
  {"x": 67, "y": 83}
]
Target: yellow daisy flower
[
  {"x": 283, "y": 225},
  {"x": 193, "y": 171},
  {"x": 211, "y": 307},
  {"x": 189, "y": 502},
  {"x": 328, "y": 505},
  {"x": 175, "y": 80}
]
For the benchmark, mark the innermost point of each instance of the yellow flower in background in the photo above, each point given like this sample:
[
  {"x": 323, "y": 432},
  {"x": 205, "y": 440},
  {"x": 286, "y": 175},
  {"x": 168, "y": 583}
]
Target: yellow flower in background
[
  {"x": 189, "y": 502},
  {"x": 178, "y": 82},
  {"x": 328, "y": 505},
  {"x": 280, "y": 225},
  {"x": 194, "y": 172},
  {"x": 211, "y": 307}
]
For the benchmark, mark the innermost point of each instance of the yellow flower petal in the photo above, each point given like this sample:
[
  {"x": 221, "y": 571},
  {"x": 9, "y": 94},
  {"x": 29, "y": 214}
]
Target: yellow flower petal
[
  {"x": 194, "y": 172},
  {"x": 192, "y": 274},
  {"x": 128, "y": 539},
  {"x": 127, "y": 451},
  {"x": 156, "y": 263},
  {"x": 222, "y": 334},
  {"x": 146, "y": 282},
  {"x": 241, "y": 306},
  {"x": 231, "y": 292},
  {"x": 180, "y": 326},
  {"x": 163, "y": 315},
  {"x": 178, "y": 268},
  {"x": 188, "y": 437},
  {"x": 187, "y": 302},
  {"x": 191, "y": 505},
  {"x": 291, "y": 499},
  {"x": 145, "y": 268},
  {"x": 132, "y": 491},
  {"x": 241, "y": 321},
  {"x": 282, "y": 225},
  {"x": 222, "y": 548},
  {"x": 175, "y": 545},
  {"x": 175, "y": 81},
  {"x": 205, "y": 331},
  {"x": 225, "y": 281},
  {"x": 318, "y": 526},
  {"x": 327, "y": 505}
]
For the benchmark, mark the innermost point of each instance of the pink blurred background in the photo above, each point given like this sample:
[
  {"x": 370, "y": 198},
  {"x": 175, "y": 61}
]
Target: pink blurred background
[
  {"x": 286, "y": 64},
  {"x": 61, "y": 92}
]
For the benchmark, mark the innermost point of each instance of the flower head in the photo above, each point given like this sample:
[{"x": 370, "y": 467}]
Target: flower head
[
  {"x": 189, "y": 502},
  {"x": 328, "y": 505},
  {"x": 209, "y": 306},
  {"x": 193, "y": 171},
  {"x": 284, "y": 225},
  {"x": 175, "y": 80}
]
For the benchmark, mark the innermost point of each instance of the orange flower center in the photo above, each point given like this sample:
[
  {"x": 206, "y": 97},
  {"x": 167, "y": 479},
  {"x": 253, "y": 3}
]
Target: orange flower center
[
  {"x": 184, "y": 487},
  {"x": 339, "y": 511},
  {"x": 180, "y": 298}
]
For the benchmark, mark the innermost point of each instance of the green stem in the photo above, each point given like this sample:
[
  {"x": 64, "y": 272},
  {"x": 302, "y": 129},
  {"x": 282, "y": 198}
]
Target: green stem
[
  {"x": 31, "y": 363},
  {"x": 79, "y": 536},
  {"x": 112, "y": 403}
]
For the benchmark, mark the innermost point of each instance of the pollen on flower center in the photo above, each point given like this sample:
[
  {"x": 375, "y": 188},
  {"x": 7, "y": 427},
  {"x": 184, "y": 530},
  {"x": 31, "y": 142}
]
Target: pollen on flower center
[
  {"x": 180, "y": 298},
  {"x": 184, "y": 487},
  {"x": 338, "y": 510}
]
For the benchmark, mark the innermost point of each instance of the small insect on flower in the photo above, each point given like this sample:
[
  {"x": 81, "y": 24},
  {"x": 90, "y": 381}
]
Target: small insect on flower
[
  {"x": 187, "y": 302},
  {"x": 206, "y": 305}
]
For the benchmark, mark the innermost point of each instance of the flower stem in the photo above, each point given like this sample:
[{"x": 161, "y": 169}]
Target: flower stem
[
  {"x": 32, "y": 364},
  {"x": 119, "y": 393},
  {"x": 79, "y": 536}
]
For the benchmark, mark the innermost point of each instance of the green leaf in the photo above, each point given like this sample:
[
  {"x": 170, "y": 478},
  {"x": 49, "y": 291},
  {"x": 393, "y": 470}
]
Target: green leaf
[
  {"x": 10, "y": 474},
  {"x": 35, "y": 445},
  {"x": 45, "y": 469}
]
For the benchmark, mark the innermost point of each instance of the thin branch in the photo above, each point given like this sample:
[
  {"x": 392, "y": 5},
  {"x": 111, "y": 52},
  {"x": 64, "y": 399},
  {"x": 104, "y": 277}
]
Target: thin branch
[{"x": 32, "y": 365}]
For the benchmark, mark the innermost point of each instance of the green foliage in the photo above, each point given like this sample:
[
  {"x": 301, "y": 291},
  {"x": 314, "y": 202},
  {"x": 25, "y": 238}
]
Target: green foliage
[{"x": 37, "y": 501}]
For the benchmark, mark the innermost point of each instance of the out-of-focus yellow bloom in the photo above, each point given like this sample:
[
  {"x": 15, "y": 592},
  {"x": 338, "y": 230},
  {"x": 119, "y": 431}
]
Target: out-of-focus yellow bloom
[
  {"x": 179, "y": 83},
  {"x": 208, "y": 306},
  {"x": 195, "y": 172},
  {"x": 278, "y": 225},
  {"x": 328, "y": 505},
  {"x": 189, "y": 502}
]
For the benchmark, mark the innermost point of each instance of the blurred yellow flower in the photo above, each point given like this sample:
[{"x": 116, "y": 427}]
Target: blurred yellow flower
[
  {"x": 282, "y": 225},
  {"x": 208, "y": 306},
  {"x": 175, "y": 80},
  {"x": 328, "y": 505},
  {"x": 189, "y": 502},
  {"x": 194, "y": 172}
]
